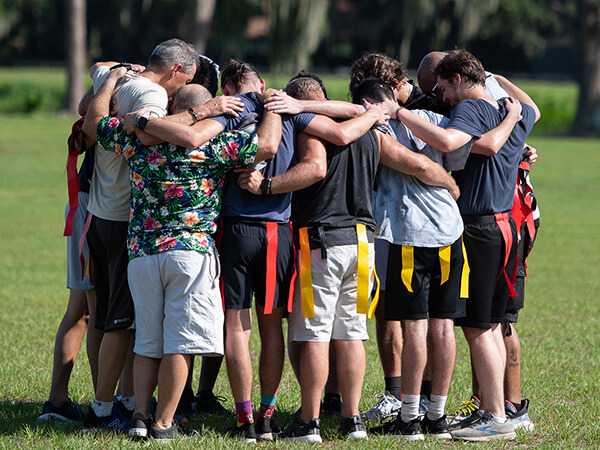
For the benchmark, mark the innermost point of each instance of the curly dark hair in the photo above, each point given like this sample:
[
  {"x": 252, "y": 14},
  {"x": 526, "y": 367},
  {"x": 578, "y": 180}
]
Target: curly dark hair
[{"x": 376, "y": 65}]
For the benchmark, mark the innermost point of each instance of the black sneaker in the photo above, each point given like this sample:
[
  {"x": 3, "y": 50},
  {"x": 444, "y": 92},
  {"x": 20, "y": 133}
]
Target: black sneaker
[
  {"x": 173, "y": 432},
  {"x": 331, "y": 405},
  {"x": 138, "y": 427},
  {"x": 69, "y": 412},
  {"x": 519, "y": 417},
  {"x": 302, "y": 431},
  {"x": 437, "y": 428},
  {"x": 245, "y": 432},
  {"x": 209, "y": 403},
  {"x": 187, "y": 404},
  {"x": 410, "y": 431},
  {"x": 353, "y": 428},
  {"x": 266, "y": 428}
]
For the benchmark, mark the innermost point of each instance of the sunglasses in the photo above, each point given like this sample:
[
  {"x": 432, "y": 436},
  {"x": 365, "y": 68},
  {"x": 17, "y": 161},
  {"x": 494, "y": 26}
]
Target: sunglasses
[{"x": 433, "y": 92}]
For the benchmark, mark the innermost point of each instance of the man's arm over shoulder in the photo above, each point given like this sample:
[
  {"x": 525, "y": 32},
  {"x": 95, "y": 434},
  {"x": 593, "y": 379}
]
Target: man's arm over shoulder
[{"x": 395, "y": 156}]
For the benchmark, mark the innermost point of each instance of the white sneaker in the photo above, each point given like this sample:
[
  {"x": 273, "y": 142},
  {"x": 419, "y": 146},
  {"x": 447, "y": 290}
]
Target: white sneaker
[
  {"x": 519, "y": 418},
  {"x": 387, "y": 406},
  {"x": 423, "y": 405}
]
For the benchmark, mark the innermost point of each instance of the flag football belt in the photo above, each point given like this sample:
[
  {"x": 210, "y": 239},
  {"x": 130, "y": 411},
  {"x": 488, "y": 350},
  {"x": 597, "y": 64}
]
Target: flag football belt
[
  {"x": 445, "y": 252},
  {"x": 523, "y": 206},
  {"x": 319, "y": 237}
]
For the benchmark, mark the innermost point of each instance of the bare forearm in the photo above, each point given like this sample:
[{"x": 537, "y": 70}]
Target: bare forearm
[
  {"x": 269, "y": 136},
  {"x": 516, "y": 92},
  {"x": 491, "y": 142},
  {"x": 184, "y": 135},
  {"x": 437, "y": 137}
]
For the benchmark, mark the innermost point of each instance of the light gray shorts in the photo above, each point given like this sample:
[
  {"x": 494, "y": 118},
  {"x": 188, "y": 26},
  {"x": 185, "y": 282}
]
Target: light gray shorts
[
  {"x": 74, "y": 279},
  {"x": 178, "y": 305},
  {"x": 334, "y": 289}
]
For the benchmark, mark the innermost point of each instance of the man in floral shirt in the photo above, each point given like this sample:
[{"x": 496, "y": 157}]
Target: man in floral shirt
[{"x": 173, "y": 270}]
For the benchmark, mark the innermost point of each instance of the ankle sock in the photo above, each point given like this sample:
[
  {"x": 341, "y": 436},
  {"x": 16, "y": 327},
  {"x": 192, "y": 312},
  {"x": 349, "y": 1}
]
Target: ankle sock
[
  {"x": 128, "y": 402},
  {"x": 243, "y": 411},
  {"x": 410, "y": 407},
  {"x": 102, "y": 409},
  {"x": 393, "y": 385},
  {"x": 436, "y": 407},
  {"x": 267, "y": 405}
]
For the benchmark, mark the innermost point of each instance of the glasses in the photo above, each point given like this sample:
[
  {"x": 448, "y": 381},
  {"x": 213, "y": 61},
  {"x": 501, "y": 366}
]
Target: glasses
[{"x": 433, "y": 92}]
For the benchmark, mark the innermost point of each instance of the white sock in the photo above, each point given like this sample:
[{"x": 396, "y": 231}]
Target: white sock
[
  {"x": 498, "y": 419},
  {"x": 102, "y": 409},
  {"x": 128, "y": 402},
  {"x": 410, "y": 407},
  {"x": 436, "y": 407}
]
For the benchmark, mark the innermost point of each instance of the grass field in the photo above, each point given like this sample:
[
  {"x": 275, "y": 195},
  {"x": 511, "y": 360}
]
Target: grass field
[{"x": 559, "y": 328}]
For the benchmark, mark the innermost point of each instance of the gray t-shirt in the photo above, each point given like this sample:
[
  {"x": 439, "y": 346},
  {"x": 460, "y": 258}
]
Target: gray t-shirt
[
  {"x": 408, "y": 211},
  {"x": 110, "y": 192}
]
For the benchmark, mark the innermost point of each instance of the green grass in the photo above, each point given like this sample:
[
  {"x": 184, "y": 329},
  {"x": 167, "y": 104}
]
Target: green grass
[{"x": 559, "y": 328}]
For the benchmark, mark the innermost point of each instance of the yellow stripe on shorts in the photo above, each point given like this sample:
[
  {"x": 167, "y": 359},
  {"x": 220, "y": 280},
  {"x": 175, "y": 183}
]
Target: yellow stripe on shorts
[
  {"x": 362, "y": 270},
  {"x": 464, "y": 280}
]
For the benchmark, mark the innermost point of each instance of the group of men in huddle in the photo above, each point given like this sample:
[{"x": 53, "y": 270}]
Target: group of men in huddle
[{"x": 303, "y": 197}]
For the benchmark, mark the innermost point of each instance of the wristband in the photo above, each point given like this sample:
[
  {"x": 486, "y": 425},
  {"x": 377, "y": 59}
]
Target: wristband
[
  {"x": 194, "y": 115},
  {"x": 265, "y": 186},
  {"x": 116, "y": 66}
]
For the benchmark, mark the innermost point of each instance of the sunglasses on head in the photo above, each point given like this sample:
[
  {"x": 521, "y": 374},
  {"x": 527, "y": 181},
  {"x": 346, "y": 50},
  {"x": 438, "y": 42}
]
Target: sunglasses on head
[{"x": 433, "y": 92}]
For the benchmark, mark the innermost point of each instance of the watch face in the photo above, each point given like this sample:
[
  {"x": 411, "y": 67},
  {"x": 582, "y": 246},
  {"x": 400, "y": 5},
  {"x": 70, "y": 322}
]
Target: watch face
[{"x": 142, "y": 122}]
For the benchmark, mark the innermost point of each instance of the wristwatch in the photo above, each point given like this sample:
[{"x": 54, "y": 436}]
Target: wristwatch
[{"x": 265, "y": 186}]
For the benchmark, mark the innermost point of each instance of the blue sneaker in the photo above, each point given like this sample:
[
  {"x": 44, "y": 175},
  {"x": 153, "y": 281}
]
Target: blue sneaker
[
  {"x": 117, "y": 421},
  {"x": 69, "y": 412}
]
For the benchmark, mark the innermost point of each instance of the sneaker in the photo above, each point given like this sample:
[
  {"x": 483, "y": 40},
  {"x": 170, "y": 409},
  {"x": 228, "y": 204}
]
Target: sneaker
[
  {"x": 465, "y": 410},
  {"x": 245, "y": 432},
  {"x": 331, "y": 405},
  {"x": 187, "y": 404},
  {"x": 466, "y": 422},
  {"x": 353, "y": 428},
  {"x": 485, "y": 429},
  {"x": 387, "y": 406},
  {"x": 173, "y": 432},
  {"x": 437, "y": 428},
  {"x": 117, "y": 421},
  {"x": 266, "y": 428},
  {"x": 410, "y": 431},
  {"x": 138, "y": 427},
  {"x": 209, "y": 403},
  {"x": 180, "y": 419},
  {"x": 423, "y": 405},
  {"x": 519, "y": 418},
  {"x": 69, "y": 412},
  {"x": 302, "y": 431}
]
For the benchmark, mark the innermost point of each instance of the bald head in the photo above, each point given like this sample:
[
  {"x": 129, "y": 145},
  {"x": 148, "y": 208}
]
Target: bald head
[
  {"x": 425, "y": 76},
  {"x": 189, "y": 96}
]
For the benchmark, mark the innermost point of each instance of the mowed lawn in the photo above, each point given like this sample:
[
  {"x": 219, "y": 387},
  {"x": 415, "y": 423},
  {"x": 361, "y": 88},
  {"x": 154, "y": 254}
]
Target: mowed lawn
[{"x": 559, "y": 328}]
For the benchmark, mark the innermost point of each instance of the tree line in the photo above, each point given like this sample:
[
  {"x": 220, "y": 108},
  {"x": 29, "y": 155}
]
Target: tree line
[{"x": 283, "y": 36}]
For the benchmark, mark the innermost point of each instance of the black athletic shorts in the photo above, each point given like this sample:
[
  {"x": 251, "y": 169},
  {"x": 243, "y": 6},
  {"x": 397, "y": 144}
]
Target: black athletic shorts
[
  {"x": 488, "y": 290},
  {"x": 243, "y": 253},
  {"x": 107, "y": 240},
  {"x": 428, "y": 294}
]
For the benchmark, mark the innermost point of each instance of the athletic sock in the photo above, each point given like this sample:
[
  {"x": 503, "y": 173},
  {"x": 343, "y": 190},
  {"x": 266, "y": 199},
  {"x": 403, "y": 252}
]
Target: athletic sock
[
  {"x": 499, "y": 420},
  {"x": 393, "y": 385},
  {"x": 129, "y": 403},
  {"x": 102, "y": 409},
  {"x": 436, "y": 407},
  {"x": 426, "y": 389},
  {"x": 243, "y": 411},
  {"x": 410, "y": 407},
  {"x": 267, "y": 405}
]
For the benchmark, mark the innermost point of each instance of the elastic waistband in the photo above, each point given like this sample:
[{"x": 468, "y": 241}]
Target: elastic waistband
[{"x": 320, "y": 237}]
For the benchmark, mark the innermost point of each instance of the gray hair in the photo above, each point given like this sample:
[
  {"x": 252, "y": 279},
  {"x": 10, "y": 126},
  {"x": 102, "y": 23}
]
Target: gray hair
[
  {"x": 189, "y": 96},
  {"x": 173, "y": 52}
]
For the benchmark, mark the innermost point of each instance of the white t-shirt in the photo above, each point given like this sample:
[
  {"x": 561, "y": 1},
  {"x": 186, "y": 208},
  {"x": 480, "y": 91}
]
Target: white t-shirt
[{"x": 110, "y": 192}]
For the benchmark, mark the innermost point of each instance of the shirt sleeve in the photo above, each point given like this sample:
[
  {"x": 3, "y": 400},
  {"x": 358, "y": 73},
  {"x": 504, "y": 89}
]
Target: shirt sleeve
[
  {"x": 100, "y": 75},
  {"x": 466, "y": 118},
  {"x": 113, "y": 137},
  {"x": 233, "y": 148}
]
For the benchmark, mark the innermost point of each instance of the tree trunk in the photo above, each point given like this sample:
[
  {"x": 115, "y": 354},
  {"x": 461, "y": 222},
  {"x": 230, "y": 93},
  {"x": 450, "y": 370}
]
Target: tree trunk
[
  {"x": 200, "y": 23},
  {"x": 76, "y": 55},
  {"x": 587, "y": 120}
]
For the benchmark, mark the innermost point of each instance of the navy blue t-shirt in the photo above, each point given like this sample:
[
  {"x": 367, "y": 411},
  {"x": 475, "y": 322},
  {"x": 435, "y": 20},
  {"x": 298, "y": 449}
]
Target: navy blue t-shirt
[
  {"x": 487, "y": 183},
  {"x": 239, "y": 202}
]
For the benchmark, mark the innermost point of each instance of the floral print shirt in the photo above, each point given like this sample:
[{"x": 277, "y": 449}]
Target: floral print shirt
[{"x": 175, "y": 192}]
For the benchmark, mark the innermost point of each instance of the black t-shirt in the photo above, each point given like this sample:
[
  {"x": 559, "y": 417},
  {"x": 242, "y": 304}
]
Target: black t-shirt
[
  {"x": 418, "y": 100},
  {"x": 345, "y": 196},
  {"x": 86, "y": 171}
]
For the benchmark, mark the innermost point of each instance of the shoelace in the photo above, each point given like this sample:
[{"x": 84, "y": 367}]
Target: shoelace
[{"x": 466, "y": 408}]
